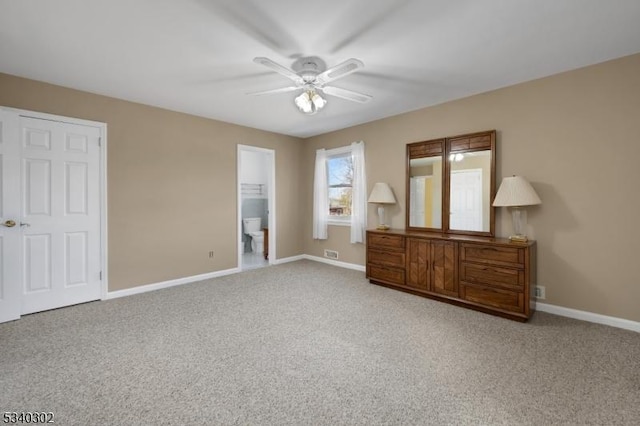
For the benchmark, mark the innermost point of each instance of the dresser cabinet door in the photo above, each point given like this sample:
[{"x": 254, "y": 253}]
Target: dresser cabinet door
[
  {"x": 444, "y": 268},
  {"x": 432, "y": 266},
  {"x": 418, "y": 263}
]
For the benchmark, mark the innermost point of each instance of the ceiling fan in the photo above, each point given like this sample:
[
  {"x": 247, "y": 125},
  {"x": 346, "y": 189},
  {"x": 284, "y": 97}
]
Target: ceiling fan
[{"x": 310, "y": 74}]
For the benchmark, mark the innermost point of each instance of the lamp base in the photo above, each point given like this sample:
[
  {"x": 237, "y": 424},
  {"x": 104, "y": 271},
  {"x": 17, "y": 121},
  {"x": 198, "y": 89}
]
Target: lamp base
[
  {"x": 381, "y": 226},
  {"x": 518, "y": 238}
]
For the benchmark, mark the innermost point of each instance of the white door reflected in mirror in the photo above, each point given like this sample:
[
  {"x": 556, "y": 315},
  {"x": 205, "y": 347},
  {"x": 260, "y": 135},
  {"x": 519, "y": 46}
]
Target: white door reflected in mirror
[
  {"x": 466, "y": 200},
  {"x": 470, "y": 192},
  {"x": 425, "y": 186}
]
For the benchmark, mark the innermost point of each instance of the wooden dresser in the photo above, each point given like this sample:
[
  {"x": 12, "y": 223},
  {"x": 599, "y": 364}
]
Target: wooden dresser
[{"x": 487, "y": 274}]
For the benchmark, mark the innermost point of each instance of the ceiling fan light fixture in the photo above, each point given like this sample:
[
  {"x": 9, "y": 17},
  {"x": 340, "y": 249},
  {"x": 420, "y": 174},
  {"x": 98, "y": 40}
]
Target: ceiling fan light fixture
[
  {"x": 318, "y": 101},
  {"x": 303, "y": 103},
  {"x": 310, "y": 102},
  {"x": 310, "y": 74}
]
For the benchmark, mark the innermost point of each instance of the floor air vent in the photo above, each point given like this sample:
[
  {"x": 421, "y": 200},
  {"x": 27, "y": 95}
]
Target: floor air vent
[{"x": 331, "y": 254}]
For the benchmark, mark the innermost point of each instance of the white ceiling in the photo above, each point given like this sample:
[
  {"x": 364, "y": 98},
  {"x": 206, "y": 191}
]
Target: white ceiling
[{"x": 195, "y": 56}]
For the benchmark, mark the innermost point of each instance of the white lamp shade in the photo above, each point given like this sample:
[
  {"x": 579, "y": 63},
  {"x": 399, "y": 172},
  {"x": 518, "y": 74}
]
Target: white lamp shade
[
  {"x": 382, "y": 194},
  {"x": 318, "y": 101},
  {"x": 516, "y": 191}
]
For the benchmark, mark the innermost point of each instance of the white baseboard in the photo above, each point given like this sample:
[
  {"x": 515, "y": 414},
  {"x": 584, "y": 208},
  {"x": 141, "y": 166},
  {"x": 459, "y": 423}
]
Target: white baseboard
[
  {"x": 346, "y": 265},
  {"x": 170, "y": 283},
  {"x": 589, "y": 316},
  {"x": 288, "y": 259},
  {"x": 201, "y": 277},
  {"x": 542, "y": 307}
]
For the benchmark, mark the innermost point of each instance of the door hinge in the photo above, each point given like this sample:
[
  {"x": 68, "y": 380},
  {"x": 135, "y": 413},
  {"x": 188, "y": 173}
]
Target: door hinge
[
  {"x": 100, "y": 275},
  {"x": 99, "y": 141}
]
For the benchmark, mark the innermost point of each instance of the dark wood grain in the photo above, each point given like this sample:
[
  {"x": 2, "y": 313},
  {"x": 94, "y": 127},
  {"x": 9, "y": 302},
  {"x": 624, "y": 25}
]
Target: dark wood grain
[
  {"x": 387, "y": 257},
  {"x": 493, "y": 297},
  {"x": 491, "y": 275},
  {"x": 418, "y": 263},
  {"x": 430, "y": 148},
  {"x": 496, "y": 255},
  {"x": 385, "y": 274},
  {"x": 443, "y": 147},
  {"x": 265, "y": 244},
  {"x": 445, "y": 267}
]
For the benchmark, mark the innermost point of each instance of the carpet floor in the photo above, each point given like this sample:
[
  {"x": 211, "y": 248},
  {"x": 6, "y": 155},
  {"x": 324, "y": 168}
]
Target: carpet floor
[{"x": 306, "y": 343}]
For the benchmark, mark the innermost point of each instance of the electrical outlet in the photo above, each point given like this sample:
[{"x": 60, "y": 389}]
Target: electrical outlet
[
  {"x": 540, "y": 292},
  {"x": 211, "y": 254},
  {"x": 331, "y": 254}
]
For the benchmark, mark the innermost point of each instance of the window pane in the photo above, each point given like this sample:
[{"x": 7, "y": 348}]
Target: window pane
[
  {"x": 340, "y": 171},
  {"x": 340, "y": 176},
  {"x": 340, "y": 201}
]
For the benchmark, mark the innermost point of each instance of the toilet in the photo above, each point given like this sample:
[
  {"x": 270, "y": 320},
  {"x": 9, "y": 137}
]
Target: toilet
[{"x": 252, "y": 228}]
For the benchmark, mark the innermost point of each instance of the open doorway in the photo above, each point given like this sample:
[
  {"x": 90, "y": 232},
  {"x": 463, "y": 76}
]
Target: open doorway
[{"x": 256, "y": 207}]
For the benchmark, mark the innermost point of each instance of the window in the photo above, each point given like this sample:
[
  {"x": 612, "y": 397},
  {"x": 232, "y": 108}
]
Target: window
[
  {"x": 340, "y": 191},
  {"x": 340, "y": 186}
]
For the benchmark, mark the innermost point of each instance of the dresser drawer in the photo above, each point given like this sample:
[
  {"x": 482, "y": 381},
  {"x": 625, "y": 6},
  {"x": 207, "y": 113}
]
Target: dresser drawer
[
  {"x": 385, "y": 257},
  {"x": 385, "y": 241},
  {"x": 508, "y": 278},
  {"x": 495, "y": 255},
  {"x": 382, "y": 273},
  {"x": 512, "y": 301}
]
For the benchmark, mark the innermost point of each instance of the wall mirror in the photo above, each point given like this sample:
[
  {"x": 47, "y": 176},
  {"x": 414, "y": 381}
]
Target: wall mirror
[
  {"x": 451, "y": 183},
  {"x": 425, "y": 174}
]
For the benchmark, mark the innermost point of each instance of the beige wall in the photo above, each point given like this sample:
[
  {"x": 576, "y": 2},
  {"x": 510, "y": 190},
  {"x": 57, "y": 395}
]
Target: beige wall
[
  {"x": 172, "y": 177},
  {"x": 575, "y": 136},
  {"x": 171, "y": 183}
]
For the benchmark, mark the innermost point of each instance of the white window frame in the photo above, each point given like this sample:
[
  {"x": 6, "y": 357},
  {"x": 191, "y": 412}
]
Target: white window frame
[{"x": 332, "y": 153}]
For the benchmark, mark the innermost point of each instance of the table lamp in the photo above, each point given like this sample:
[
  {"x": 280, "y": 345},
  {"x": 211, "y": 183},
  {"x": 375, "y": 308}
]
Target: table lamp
[
  {"x": 515, "y": 192},
  {"x": 381, "y": 194}
]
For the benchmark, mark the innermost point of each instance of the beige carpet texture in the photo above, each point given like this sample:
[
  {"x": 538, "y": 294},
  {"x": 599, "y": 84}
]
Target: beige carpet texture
[{"x": 306, "y": 343}]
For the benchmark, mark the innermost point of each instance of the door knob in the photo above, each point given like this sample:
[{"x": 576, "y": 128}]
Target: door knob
[{"x": 9, "y": 223}]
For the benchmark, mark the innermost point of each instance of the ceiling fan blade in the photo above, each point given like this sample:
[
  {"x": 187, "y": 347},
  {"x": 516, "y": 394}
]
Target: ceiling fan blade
[
  {"x": 273, "y": 91},
  {"x": 343, "y": 69},
  {"x": 347, "y": 94},
  {"x": 279, "y": 69}
]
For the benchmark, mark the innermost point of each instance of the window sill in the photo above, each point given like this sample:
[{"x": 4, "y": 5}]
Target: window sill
[{"x": 339, "y": 222}]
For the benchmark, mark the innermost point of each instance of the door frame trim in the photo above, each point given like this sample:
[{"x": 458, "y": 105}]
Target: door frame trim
[
  {"x": 102, "y": 127},
  {"x": 271, "y": 203}
]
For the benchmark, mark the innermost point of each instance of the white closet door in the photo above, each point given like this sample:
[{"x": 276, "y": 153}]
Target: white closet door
[
  {"x": 61, "y": 214},
  {"x": 10, "y": 232}
]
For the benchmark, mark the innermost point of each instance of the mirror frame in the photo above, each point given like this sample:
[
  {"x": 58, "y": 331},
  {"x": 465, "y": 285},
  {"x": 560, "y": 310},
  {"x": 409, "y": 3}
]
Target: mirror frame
[
  {"x": 443, "y": 147},
  {"x": 431, "y": 148}
]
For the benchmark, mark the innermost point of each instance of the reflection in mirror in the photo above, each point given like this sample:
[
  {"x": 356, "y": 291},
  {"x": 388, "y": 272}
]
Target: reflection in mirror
[
  {"x": 425, "y": 186},
  {"x": 470, "y": 191}
]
